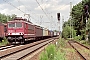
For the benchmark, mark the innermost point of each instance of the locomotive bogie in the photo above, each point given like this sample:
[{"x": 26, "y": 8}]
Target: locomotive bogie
[{"x": 12, "y": 38}]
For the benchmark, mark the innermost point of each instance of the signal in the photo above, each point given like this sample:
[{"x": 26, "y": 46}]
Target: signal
[{"x": 58, "y": 16}]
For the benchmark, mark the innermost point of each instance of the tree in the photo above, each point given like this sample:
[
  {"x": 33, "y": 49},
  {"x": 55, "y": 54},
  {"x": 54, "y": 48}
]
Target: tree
[
  {"x": 13, "y": 16},
  {"x": 78, "y": 20},
  {"x": 4, "y": 18},
  {"x": 67, "y": 31},
  {"x": 77, "y": 17}
]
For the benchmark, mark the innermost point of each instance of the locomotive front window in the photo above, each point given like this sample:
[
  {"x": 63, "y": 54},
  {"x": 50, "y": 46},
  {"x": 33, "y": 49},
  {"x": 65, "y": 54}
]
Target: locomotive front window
[
  {"x": 18, "y": 24},
  {"x": 11, "y": 25}
]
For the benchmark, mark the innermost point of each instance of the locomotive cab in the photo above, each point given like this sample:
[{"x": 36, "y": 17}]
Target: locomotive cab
[{"x": 15, "y": 31}]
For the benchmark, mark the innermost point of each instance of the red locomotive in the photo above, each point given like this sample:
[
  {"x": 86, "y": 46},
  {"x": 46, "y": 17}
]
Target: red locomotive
[{"x": 19, "y": 30}]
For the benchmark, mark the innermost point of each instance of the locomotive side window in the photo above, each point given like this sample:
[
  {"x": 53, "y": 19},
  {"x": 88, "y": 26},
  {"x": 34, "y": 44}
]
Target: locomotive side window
[
  {"x": 30, "y": 27},
  {"x": 18, "y": 24},
  {"x": 11, "y": 25}
]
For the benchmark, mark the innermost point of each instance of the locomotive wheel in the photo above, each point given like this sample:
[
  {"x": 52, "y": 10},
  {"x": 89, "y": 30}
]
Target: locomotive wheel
[
  {"x": 22, "y": 41},
  {"x": 15, "y": 41}
]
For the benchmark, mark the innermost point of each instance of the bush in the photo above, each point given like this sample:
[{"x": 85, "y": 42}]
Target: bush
[
  {"x": 51, "y": 50},
  {"x": 67, "y": 31},
  {"x": 78, "y": 38},
  {"x": 83, "y": 42},
  {"x": 43, "y": 56},
  {"x": 51, "y": 53},
  {"x": 61, "y": 42},
  {"x": 4, "y": 42},
  {"x": 59, "y": 56}
]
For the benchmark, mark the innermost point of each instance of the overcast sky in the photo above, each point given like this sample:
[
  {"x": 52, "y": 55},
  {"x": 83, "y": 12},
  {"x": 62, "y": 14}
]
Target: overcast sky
[{"x": 46, "y": 15}]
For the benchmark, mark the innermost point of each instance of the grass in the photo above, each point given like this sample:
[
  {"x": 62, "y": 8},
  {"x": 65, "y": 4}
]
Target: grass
[
  {"x": 60, "y": 56},
  {"x": 4, "y": 42},
  {"x": 60, "y": 51},
  {"x": 53, "y": 52}
]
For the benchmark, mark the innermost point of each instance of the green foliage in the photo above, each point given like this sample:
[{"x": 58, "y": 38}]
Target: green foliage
[
  {"x": 83, "y": 42},
  {"x": 4, "y": 18},
  {"x": 61, "y": 42},
  {"x": 78, "y": 20},
  {"x": 78, "y": 38},
  {"x": 89, "y": 36},
  {"x": 66, "y": 24},
  {"x": 51, "y": 53},
  {"x": 67, "y": 31},
  {"x": 77, "y": 15},
  {"x": 88, "y": 24},
  {"x": 43, "y": 56},
  {"x": 83, "y": 34},
  {"x": 88, "y": 29},
  {"x": 13, "y": 16},
  {"x": 4, "y": 42},
  {"x": 59, "y": 56}
]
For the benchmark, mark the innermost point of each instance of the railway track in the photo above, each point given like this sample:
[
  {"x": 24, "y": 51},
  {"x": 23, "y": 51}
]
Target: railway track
[
  {"x": 15, "y": 45},
  {"x": 7, "y": 47},
  {"x": 23, "y": 50},
  {"x": 83, "y": 51}
]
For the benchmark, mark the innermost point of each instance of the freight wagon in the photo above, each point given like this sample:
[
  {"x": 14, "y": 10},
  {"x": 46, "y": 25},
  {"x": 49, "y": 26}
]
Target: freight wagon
[
  {"x": 2, "y": 31},
  {"x": 38, "y": 32},
  {"x": 51, "y": 33},
  {"x": 45, "y": 33}
]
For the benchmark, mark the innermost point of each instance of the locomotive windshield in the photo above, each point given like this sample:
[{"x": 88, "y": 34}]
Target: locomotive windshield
[
  {"x": 11, "y": 25},
  {"x": 16, "y": 25}
]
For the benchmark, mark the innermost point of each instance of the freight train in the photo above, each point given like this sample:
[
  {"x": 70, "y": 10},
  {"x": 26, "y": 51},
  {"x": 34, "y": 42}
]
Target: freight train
[{"x": 20, "y": 30}]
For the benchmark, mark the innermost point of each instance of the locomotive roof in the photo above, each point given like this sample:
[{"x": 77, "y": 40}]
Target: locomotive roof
[{"x": 21, "y": 20}]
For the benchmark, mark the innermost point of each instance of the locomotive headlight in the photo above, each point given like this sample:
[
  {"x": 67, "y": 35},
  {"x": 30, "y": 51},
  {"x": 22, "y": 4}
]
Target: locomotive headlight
[
  {"x": 21, "y": 33},
  {"x": 9, "y": 37},
  {"x": 20, "y": 37},
  {"x": 9, "y": 33}
]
